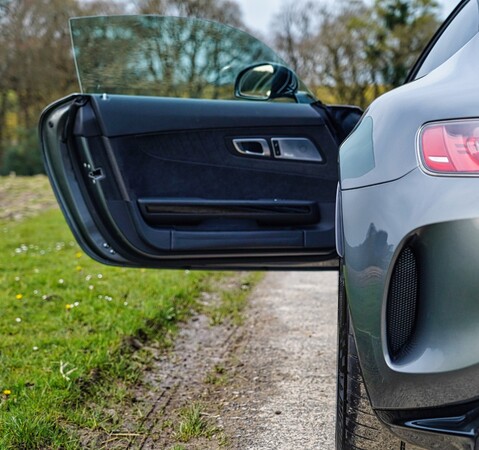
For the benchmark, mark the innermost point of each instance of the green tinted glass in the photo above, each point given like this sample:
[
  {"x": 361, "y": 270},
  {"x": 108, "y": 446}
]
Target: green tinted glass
[{"x": 162, "y": 56}]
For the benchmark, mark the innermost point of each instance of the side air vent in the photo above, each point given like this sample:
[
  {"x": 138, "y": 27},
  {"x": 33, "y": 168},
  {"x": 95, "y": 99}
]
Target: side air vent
[{"x": 402, "y": 304}]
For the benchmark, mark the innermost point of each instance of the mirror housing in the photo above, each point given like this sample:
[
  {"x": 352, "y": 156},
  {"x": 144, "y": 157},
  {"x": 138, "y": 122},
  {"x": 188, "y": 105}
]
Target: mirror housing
[{"x": 266, "y": 81}]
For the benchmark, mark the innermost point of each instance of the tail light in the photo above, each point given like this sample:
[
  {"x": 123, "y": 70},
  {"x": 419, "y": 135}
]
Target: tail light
[{"x": 450, "y": 147}]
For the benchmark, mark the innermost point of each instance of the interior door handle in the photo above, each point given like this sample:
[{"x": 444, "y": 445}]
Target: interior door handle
[{"x": 252, "y": 146}]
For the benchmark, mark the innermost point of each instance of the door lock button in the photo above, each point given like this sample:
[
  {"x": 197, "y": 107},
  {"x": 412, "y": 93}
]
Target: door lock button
[{"x": 277, "y": 149}]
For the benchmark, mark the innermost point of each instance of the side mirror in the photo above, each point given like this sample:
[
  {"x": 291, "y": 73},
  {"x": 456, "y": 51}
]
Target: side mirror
[{"x": 266, "y": 81}]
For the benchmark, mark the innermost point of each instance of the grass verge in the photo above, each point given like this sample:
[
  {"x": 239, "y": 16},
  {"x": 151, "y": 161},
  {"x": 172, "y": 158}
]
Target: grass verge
[
  {"x": 193, "y": 424},
  {"x": 70, "y": 328}
]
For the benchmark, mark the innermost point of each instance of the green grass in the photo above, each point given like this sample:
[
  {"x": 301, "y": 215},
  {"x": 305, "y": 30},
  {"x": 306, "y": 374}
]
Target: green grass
[
  {"x": 193, "y": 424},
  {"x": 70, "y": 326},
  {"x": 233, "y": 301}
]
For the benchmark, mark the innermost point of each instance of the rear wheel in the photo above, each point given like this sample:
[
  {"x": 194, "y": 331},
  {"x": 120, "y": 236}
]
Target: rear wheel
[{"x": 357, "y": 427}]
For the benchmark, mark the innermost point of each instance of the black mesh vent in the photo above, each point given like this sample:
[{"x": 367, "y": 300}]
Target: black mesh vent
[{"x": 402, "y": 303}]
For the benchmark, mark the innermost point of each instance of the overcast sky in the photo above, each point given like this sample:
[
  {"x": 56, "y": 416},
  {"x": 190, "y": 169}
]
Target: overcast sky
[{"x": 258, "y": 13}]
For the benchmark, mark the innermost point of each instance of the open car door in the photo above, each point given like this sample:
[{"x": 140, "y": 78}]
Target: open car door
[{"x": 171, "y": 157}]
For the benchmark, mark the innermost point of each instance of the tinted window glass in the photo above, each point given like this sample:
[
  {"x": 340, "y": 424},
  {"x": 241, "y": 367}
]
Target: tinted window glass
[
  {"x": 464, "y": 26},
  {"x": 163, "y": 56}
]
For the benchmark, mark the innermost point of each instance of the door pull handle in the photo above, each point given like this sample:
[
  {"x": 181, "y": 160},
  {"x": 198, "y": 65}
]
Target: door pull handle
[{"x": 252, "y": 147}]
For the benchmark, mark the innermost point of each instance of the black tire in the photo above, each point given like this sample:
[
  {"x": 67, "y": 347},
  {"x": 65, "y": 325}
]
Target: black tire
[{"x": 357, "y": 427}]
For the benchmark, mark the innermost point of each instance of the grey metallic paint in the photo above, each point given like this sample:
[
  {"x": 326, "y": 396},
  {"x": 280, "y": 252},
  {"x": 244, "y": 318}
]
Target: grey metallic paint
[{"x": 396, "y": 202}]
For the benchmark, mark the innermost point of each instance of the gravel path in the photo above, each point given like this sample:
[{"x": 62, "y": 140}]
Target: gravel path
[
  {"x": 267, "y": 384},
  {"x": 285, "y": 395}
]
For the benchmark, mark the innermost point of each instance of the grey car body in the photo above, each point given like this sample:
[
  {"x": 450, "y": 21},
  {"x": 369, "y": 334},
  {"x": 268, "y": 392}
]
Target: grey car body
[
  {"x": 434, "y": 219},
  {"x": 434, "y": 215},
  {"x": 407, "y": 238}
]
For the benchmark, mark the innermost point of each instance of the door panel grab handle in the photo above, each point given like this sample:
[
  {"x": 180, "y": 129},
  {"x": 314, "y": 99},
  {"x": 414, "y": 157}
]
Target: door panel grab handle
[{"x": 252, "y": 146}]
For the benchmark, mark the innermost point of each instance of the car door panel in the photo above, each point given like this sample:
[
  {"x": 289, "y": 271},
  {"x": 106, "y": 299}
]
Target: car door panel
[{"x": 163, "y": 177}]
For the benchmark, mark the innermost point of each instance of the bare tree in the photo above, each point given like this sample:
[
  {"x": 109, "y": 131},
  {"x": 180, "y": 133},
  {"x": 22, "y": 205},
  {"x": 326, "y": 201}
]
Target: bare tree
[
  {"x": 354, "y": 51},
  {"x": 294, "y": 31},
  {"x": 343, "y": 54},
  {"x": 36, "y": 66},
  {"x": 224, "y": 11}
]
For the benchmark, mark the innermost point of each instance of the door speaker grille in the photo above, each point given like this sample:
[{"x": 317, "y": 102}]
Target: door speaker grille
[{"x": 402, "y": 304}]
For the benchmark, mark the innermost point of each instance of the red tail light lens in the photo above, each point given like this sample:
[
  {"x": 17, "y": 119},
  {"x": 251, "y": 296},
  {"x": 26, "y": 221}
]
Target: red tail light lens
[{"x": 450, "y": 147}]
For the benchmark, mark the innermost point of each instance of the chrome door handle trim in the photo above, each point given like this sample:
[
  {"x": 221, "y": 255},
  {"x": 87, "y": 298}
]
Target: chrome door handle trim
[{"x": 238, "y": 144}]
